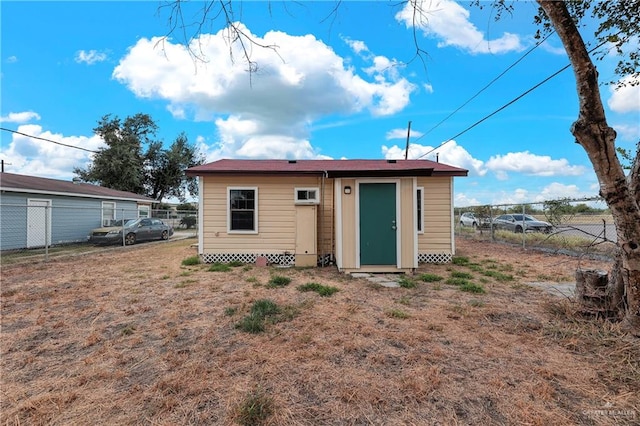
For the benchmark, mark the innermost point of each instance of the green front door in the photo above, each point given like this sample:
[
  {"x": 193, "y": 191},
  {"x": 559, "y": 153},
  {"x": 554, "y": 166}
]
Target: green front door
[{"x": 378, "y": 224}]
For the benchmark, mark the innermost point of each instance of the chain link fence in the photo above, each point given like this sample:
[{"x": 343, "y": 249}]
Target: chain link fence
[
  {"x": 570, "y": 226},
  {"x": 39, "y": 231}
]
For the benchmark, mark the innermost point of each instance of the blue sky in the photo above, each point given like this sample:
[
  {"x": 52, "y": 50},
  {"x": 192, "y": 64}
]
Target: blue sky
[{"x": 341, "y": 85}]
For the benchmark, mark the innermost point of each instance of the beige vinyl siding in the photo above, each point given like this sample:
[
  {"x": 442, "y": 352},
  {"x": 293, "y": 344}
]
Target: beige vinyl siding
[
  {"x": 407, "y": 223},
  {"x": 437, "y": 215},
  {"x": 276, "y": 217}
]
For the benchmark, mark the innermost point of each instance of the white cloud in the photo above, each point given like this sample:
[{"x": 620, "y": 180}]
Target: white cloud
[
  {"x": 531, "y": 164},
  {"x": 628, "y": 132},
  {"x": 556, "y": 190},
  {"x": 221, "y": 90},
  {"x": 449, "y": 22},
  {"x": 450, "y": 153},
  {"x": 427, "y": 88},
  {"x": 401, "y": 134},
  {"x": 20, "y": 117},
  {"x": 518, "y": 196},
  {"x": 12, "y": 59},
  {"x": 560, "y": 50},
  {"x": 90, "y": 57},
  {"x": 462, "y": 200},
  {"x": 35, "y": 157},
  {"x": 357, "y": 46},
  {"x": 626, "y": 98}
]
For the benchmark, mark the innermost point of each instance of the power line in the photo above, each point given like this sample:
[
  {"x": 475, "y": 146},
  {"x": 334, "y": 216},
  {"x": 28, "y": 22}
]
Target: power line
[
  {"x": 486, "y": 86},
  {"x": 48, "y": 140},
  {"x": 508, "y": 103}
]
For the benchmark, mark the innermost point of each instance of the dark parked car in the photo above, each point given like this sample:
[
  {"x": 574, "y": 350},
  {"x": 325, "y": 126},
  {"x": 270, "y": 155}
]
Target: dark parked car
[
  {"x": 518, "y": 222},
  {"x": 134, "y": 230}
]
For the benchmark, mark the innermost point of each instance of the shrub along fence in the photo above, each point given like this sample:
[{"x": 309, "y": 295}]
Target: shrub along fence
[
  {"x": 37, "y": 232},
  {"x": 573, "y": 226}
]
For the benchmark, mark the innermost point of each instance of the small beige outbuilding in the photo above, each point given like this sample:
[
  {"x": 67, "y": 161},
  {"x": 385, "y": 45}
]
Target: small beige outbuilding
[{"x": 364, "y": 215}]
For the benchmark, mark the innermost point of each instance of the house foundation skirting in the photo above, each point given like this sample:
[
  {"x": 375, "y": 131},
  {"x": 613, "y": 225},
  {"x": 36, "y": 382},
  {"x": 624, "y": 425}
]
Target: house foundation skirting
[
  {"x": 435, "y": 257},
  {"x": 290, "y": 259},
  {"x": 273, "y": 258}
]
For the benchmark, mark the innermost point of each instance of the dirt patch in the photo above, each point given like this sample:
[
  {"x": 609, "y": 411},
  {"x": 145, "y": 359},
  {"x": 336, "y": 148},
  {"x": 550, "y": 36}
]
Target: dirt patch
[{"x": 133, "y": 337}]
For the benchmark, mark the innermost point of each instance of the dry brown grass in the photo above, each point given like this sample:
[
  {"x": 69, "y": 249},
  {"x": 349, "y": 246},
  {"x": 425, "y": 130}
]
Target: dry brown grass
[{"x": 132, "y": 337}]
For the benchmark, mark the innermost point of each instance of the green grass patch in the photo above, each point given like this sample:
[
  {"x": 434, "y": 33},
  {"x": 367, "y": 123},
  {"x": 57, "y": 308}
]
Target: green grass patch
[
  {"x": 406, "y": 282},
  {"x": 235, "y": 263},
  {"x": 279, "y": 281},
  {"x": 430, "y": 278},
  {"x": 472, "y": 288},
  {"x": 476, "y": 267},
  {"x": 264, "y": 308},
  {"x": 230, "y": 311},
  {"x": 265, "y": 311},
  {"x": 255, "y": 409},
  {"x": 497, "y": 275},
  {"x": 191, "y": 260},
  {"x": 458, "y": 281},
  {"x": 219, "y": 267},
  {"x": 397, "y": 313},
  {"x": 459, "y": 274},
  {"x": 460, "y": 260},
  {"x": 322, "y": 290},
  {"x": 253, "y": 324}
]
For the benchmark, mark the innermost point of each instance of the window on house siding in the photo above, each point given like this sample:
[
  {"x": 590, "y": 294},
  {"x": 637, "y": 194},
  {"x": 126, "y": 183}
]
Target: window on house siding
[
  {"x": 306, "y": 196},
  {"x": 243, "y": 208},
  {"x": 143, "y": 211},
  {"x": 420, "y": 210},
  {"x": 108, "y": 212}
]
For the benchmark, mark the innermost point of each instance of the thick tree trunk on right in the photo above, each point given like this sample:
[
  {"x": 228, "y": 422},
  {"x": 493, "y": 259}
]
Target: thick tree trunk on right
[{"x": 598, "y": 140}]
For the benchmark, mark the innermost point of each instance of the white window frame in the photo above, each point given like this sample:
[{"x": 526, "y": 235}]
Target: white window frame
[
  {"x": 146, "y": 209},
  {"x": 420, "y": 214},
  {"x": 113, "y": 215},
  {"x": 255, "y": 210},
  {"x": 315, "y": 200}
]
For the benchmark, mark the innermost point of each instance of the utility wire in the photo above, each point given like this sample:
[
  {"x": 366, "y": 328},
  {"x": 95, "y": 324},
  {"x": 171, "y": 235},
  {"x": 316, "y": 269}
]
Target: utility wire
[
  {"x": 48, "y": 140},
  {"x": 485, "y": 87},
  {"x": 508, "y": 103}
]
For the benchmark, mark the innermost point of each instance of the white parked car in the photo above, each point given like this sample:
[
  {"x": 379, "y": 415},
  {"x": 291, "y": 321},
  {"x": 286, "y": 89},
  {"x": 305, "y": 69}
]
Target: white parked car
[{"x": 474, "y": 221}]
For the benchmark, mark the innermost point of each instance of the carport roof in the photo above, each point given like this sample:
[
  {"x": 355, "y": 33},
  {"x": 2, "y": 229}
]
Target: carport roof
[
  {"x": 332, "y": 168},
  {"x": 31, "y": 184}
]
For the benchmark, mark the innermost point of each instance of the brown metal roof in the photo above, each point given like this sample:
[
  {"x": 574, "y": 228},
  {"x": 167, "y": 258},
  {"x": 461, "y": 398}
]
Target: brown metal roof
[
  {"x": 22, "y": 183},
  {"x": 333, "y": 168}
]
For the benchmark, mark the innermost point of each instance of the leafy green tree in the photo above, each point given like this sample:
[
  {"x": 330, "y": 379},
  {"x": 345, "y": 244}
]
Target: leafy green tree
[
  {"x": 124, "y": 165},
  {"x": 186, "y": 207},
  {"x": 121, "y": 164}
]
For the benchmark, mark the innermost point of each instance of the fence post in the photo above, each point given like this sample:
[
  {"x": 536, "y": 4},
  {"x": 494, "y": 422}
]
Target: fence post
[
  {"x": 122, "y": 218},
  {"x": 604, "y": 227},
  {"x": 46, "y": 233},
  {"x": 524, "y": 245}
]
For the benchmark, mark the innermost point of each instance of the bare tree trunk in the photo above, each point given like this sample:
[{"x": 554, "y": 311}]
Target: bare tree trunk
[{"x": 597, "y": 138}]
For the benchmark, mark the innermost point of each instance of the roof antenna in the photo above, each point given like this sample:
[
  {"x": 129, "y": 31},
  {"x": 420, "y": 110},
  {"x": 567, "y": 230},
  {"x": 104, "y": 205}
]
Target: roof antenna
[{"x": 406, "y": 151}]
